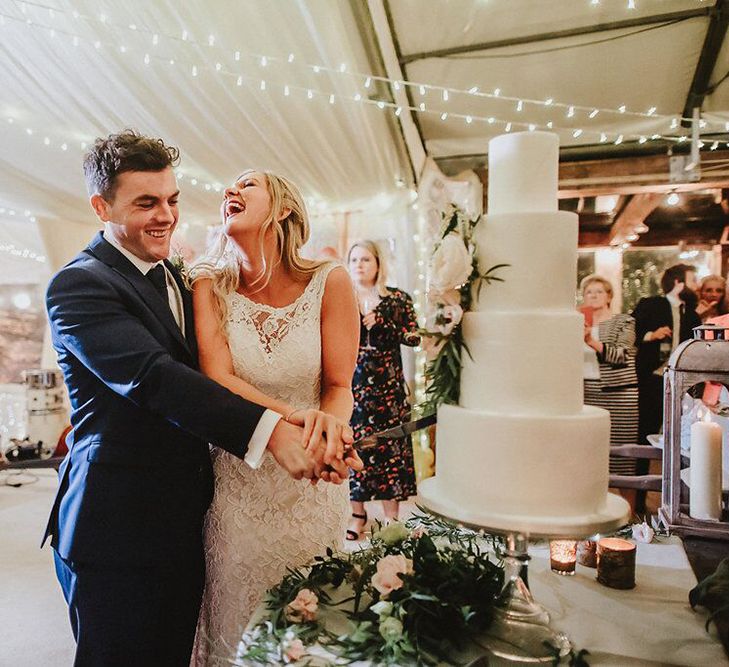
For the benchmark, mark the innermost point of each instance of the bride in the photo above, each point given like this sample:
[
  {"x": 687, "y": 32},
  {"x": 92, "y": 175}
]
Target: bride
[{"x": 281, "y": 331}]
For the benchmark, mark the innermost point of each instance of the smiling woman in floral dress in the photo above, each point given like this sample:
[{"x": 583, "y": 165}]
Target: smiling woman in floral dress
[{"x": 380, "y": 396}]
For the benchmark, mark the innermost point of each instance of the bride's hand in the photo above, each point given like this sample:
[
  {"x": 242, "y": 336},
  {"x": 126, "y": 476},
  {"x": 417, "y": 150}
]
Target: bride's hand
[{"x": 323, "y": 431}]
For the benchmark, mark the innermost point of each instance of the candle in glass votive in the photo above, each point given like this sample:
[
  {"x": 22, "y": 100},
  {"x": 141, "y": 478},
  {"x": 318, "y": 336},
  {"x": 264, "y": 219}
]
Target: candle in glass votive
[
  {"x": 616, "y": 563},
  {"x": 562, "y": 556},
  {"x": 705, "y": 471},
  {"x": 587, "y": 553}
]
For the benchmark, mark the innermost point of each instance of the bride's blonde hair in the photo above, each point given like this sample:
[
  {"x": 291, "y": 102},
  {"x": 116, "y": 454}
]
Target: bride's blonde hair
[{"x": 221, "y": 262}]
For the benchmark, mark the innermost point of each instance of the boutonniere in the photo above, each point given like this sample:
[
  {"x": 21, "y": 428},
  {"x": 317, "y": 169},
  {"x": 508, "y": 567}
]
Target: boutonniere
[{"x": 178, "y": 261}]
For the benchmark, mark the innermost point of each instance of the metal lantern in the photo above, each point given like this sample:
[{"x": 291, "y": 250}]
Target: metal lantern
[{"x": 705, "y": 358}]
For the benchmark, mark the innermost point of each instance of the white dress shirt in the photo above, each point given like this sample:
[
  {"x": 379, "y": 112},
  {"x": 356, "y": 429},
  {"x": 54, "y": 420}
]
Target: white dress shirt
[
  {"x": 676, "y": 314},
  {"x": 269, "y": 419}
]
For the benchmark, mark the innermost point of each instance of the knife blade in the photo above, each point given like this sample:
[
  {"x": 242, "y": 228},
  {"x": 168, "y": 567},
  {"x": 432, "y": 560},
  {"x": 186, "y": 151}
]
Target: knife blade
[{"x": 399, "y": 431}]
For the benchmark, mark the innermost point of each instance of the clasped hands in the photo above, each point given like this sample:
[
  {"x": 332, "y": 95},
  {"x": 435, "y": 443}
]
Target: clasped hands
[{"x": 314, "y": 445}]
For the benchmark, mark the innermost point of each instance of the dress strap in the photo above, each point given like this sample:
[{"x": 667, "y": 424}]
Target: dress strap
[{"x": 319, "y": 281}]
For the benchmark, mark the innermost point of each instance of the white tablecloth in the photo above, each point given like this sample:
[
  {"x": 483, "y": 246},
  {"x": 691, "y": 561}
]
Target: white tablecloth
[{"x": 650, "y": 624}]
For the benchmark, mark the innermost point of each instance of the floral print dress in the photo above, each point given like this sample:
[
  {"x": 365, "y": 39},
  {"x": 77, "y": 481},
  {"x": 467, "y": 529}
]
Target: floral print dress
[{"x": 380, "y": 401}]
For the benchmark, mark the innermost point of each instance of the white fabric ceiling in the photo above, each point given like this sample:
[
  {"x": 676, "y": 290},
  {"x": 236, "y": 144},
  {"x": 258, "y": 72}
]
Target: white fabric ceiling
[
  {"x": 640, "y": 67},
  {"x": 347, "y": 155},
  {"x": 339, "y": 154}
]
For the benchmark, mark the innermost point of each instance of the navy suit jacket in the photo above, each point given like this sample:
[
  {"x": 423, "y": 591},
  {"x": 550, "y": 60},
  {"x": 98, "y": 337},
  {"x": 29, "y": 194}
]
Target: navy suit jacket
[
  {"x": 137, "y": 479},
  {"x": 650, "y": 314}
]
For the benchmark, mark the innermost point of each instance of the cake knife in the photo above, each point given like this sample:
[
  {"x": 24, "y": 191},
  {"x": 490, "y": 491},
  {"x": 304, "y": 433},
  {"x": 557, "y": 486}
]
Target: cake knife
[{"x": 399, "y": 431}]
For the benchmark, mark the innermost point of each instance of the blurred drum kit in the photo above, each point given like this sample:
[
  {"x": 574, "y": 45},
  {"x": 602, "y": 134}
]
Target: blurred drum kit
[{"x": 46, "y": 420}]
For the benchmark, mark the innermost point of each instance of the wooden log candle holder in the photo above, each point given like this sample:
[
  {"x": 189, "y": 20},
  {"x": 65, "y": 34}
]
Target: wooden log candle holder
[
  {"x": 587, "y": 553},
  {"x": 616, "y": 563}
]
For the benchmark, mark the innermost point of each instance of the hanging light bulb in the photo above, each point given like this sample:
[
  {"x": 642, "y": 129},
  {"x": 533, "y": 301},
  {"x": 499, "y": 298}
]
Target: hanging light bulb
[{"x": 673, "y": 199}]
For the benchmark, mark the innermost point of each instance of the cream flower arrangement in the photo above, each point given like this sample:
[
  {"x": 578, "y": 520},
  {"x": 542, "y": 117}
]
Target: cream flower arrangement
[{"x": 455, "y": 279}]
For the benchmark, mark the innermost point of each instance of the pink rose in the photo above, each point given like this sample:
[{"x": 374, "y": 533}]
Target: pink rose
[
  {"x": 387, "y": 579},
  {"x": 303, "y": 607},
  {"x": 295, "y": 650}
]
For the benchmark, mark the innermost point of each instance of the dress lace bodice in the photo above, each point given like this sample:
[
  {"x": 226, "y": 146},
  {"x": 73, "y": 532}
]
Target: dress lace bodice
[
  {"x": 278, "y": 350},
  {"x": 262, "y": 521}
]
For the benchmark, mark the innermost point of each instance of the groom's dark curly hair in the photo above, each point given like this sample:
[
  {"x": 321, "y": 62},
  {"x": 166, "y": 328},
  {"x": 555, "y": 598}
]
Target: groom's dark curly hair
[{"x": 126, "y": 151}]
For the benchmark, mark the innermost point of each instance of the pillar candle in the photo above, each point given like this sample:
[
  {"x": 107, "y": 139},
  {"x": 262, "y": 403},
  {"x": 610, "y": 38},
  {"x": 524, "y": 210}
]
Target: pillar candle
[
  {"x": 562, "y": 556},
  {"x": 705, "y": 473},
  {"x": 616, "y": 563}
]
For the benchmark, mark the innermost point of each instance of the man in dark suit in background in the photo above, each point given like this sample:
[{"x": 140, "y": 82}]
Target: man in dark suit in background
[
  {"x": 126, "y": 524},
  {"x": 661, "y": 323}
]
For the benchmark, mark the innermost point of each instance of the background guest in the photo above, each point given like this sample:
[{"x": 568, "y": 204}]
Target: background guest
[
  {"x": 712, "y": 297},
  {"x": 661, "y": 323},
  {"x": 380, "y": 393},
  {"x": 609, "y": 371}
]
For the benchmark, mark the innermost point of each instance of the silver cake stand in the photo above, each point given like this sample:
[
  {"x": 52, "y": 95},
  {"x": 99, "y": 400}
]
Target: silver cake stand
[{"x": 520, "y": 631}]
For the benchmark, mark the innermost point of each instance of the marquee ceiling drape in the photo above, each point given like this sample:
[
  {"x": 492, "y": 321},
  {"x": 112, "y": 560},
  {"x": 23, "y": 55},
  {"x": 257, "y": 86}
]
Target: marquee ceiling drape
[{"x": 235, "y": 84}]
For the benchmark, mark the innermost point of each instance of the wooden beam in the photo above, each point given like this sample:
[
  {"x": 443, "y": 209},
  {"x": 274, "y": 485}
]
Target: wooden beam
[
  {"x": 633, "y": 215},
  {"x": 669, "y": 17},
  {"x": 620, "y": 188},
  {"x": 715, "y": 34},
  {"x": 633, "y": 175},
  {"x": 378, "y": 43}
]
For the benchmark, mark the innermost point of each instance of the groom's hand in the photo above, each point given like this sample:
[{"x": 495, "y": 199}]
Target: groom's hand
[{"x": 285, "y": 445}]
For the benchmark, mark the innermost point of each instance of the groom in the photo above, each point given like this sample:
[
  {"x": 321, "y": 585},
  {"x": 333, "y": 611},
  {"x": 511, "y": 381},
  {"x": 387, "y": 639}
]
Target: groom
[{"x": 126, "y": 524}]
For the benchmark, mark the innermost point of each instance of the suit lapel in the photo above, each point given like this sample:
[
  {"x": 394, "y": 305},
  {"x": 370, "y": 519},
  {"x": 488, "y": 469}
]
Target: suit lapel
[{"x": 108, "y": 254}]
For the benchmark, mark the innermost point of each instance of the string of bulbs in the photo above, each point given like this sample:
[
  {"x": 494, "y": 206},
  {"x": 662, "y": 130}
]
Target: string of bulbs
[{"x": 342, "y": 70}]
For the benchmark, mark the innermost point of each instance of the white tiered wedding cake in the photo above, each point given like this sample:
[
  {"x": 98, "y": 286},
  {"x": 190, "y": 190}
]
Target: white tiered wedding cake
[{"x": 521, "y": 452}]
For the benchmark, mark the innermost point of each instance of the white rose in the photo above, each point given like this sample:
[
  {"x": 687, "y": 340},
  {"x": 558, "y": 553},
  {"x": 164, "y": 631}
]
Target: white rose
[
  {"x": 642, "y": 532},
  {"x": 382, "y": 608},
  {"x": 451, "y": 316},
  {"x": 450, "y": 264}
]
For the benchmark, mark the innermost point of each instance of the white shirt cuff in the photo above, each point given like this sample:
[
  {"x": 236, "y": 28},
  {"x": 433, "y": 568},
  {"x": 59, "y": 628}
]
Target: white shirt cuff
[
  {"x": 259, "y": 439},
  {"x": 647, "y": 337}
]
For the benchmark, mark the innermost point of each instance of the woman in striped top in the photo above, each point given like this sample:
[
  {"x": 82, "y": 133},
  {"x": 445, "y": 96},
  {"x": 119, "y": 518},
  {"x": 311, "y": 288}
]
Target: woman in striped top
[{"x": 609, "y": 370}]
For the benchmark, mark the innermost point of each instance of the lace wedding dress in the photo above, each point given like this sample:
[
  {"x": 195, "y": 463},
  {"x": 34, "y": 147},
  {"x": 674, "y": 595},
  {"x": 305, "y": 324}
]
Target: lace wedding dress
[{"x": 262, "y": 521}]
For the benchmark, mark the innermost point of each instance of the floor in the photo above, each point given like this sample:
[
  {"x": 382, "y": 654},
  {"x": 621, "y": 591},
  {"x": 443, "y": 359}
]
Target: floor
[{"x": 33, "y": 617}]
